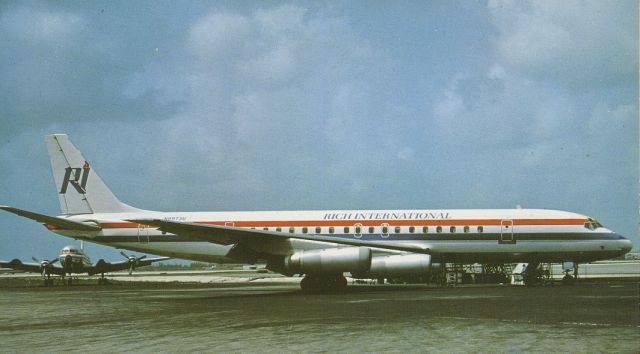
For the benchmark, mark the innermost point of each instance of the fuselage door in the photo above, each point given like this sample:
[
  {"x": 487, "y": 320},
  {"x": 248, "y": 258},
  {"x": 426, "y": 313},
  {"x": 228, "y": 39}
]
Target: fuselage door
[
  {"x": 506, "y": 232},
  {"x": 143, "y": 234}
]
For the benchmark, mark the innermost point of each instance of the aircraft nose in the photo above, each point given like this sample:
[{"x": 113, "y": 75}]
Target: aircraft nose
[{"x": 627, "y": 245}]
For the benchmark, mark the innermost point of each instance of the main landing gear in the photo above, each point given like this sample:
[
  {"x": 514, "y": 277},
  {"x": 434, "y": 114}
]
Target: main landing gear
[
  {"x": 322, "y": 284},
  {"x": 102, "y": 280}
]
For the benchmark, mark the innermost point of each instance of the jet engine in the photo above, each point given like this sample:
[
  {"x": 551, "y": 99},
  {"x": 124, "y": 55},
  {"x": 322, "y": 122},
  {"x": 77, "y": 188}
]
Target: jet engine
[
  {"x": 399, "y": 265},
  {"x": 333, "y": 260}
]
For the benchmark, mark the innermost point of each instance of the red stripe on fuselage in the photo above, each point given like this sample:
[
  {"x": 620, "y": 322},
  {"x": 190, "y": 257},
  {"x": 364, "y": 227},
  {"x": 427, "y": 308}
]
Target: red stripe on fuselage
[{"x": 338, "y": 223}]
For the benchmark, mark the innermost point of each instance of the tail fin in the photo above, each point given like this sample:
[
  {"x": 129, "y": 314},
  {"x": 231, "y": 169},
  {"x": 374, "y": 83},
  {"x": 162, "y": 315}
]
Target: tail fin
[{"x": 80, "y": 189}]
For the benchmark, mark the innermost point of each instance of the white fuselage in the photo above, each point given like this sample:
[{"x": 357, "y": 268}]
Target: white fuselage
[{"x": 465, "y": 236}]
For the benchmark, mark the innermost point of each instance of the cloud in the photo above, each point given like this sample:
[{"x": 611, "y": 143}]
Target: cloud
[
  {"x": 57, "y": 68},
  {"x": 281, "y": 20},
  {"x": 41, "y": 27},
  {"x": 268, "y": 96},
  {"x": 576, "y": 43},
  {"x": 555, "y": 111},
  {"x": 219, "y": 36},
  {"x": 310, "y": 106}
]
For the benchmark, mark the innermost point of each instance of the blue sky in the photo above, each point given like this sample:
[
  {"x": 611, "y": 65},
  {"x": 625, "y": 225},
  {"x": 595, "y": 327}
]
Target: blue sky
[{"x": 322, "y": 105}]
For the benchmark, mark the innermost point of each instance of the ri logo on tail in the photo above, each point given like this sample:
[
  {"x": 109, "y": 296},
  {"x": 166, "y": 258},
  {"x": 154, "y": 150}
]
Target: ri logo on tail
[{"x": 77, "y": 177}]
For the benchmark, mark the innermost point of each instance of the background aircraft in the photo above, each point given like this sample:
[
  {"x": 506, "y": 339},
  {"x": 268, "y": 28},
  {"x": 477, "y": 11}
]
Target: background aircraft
[{"x": 73, "y": 260}]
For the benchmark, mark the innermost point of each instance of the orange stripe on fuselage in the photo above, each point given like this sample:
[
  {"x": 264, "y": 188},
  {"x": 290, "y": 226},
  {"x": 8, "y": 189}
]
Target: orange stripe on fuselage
[{"x": 337, "y": 223}]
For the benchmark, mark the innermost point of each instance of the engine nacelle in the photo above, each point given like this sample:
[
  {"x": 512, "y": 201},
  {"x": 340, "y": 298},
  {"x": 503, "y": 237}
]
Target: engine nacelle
[
  {"x": 332, "y": 260},
  {"x": 399, "y": 265}
]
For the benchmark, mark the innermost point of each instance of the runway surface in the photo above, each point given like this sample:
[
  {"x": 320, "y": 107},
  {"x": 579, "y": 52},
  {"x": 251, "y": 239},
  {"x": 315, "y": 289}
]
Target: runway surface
[{"x": 171, "y": 317}]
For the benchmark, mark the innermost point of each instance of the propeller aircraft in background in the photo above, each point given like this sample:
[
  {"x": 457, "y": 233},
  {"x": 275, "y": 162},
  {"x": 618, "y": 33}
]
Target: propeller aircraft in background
[{"x": 73, "y": 260}]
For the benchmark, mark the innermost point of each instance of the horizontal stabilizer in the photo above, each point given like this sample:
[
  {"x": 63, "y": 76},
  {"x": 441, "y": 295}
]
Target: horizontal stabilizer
[{"x": 52, "y": 220}]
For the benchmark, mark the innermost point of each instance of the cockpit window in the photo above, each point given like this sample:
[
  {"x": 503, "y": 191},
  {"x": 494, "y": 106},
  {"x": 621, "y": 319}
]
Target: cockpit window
[{"x": 592, "y": 224}]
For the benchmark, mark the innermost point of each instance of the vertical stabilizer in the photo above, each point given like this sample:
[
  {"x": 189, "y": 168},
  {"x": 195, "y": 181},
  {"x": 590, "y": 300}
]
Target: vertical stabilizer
[{"x": 80, "y": 190}]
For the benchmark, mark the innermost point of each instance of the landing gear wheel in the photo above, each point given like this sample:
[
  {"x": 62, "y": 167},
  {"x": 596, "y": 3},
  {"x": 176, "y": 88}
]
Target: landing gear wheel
[
  {"x": 315, "y": 284},
  {"x": 310, "y": 284}
]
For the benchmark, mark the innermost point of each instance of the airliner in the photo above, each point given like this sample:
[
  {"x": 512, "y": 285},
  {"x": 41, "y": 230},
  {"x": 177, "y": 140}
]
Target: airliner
[
  {"x": 320, "y": 245},
  {"x": 74, "y": 260}
]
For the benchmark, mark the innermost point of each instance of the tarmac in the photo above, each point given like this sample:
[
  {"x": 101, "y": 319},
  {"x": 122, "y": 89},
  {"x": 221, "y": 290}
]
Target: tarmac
[{"x": 262, "y": 312}]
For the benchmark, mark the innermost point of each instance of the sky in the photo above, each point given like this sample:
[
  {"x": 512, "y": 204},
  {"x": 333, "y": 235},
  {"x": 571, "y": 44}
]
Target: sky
[{"x": 274, "y": 105}]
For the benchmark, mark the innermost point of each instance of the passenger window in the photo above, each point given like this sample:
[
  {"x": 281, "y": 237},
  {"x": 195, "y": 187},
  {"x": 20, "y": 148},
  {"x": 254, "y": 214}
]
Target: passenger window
[
  {"x": 397, "y": 230},
  {"x": 466, "y": 229},
  {"x": 480, "y": 229},
  {"x": 412, "y": 229},
  {"x": 452, "y": 229},
  {"x": 425, "y": 229},
  {"x": 371, "y": 229},
  {"x": 278, "y": 229},
  {"x": 331, "y": 230},
  {"x": 292, "y": 229},
  {"x": 305, "y": 230},
  {"x": 439, "y": 229},
  {"x": 346, "y": 229},
  {"x": 318, "y": 229}
]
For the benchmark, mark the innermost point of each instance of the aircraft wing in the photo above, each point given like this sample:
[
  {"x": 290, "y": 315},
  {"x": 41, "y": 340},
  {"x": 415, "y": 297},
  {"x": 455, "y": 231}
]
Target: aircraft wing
[
  {"x": 31, "y": 267},
  {"x": 226, "y": 235},
  {"x": 52, "y": 220},
  {"x": 102, "y": 266}
]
